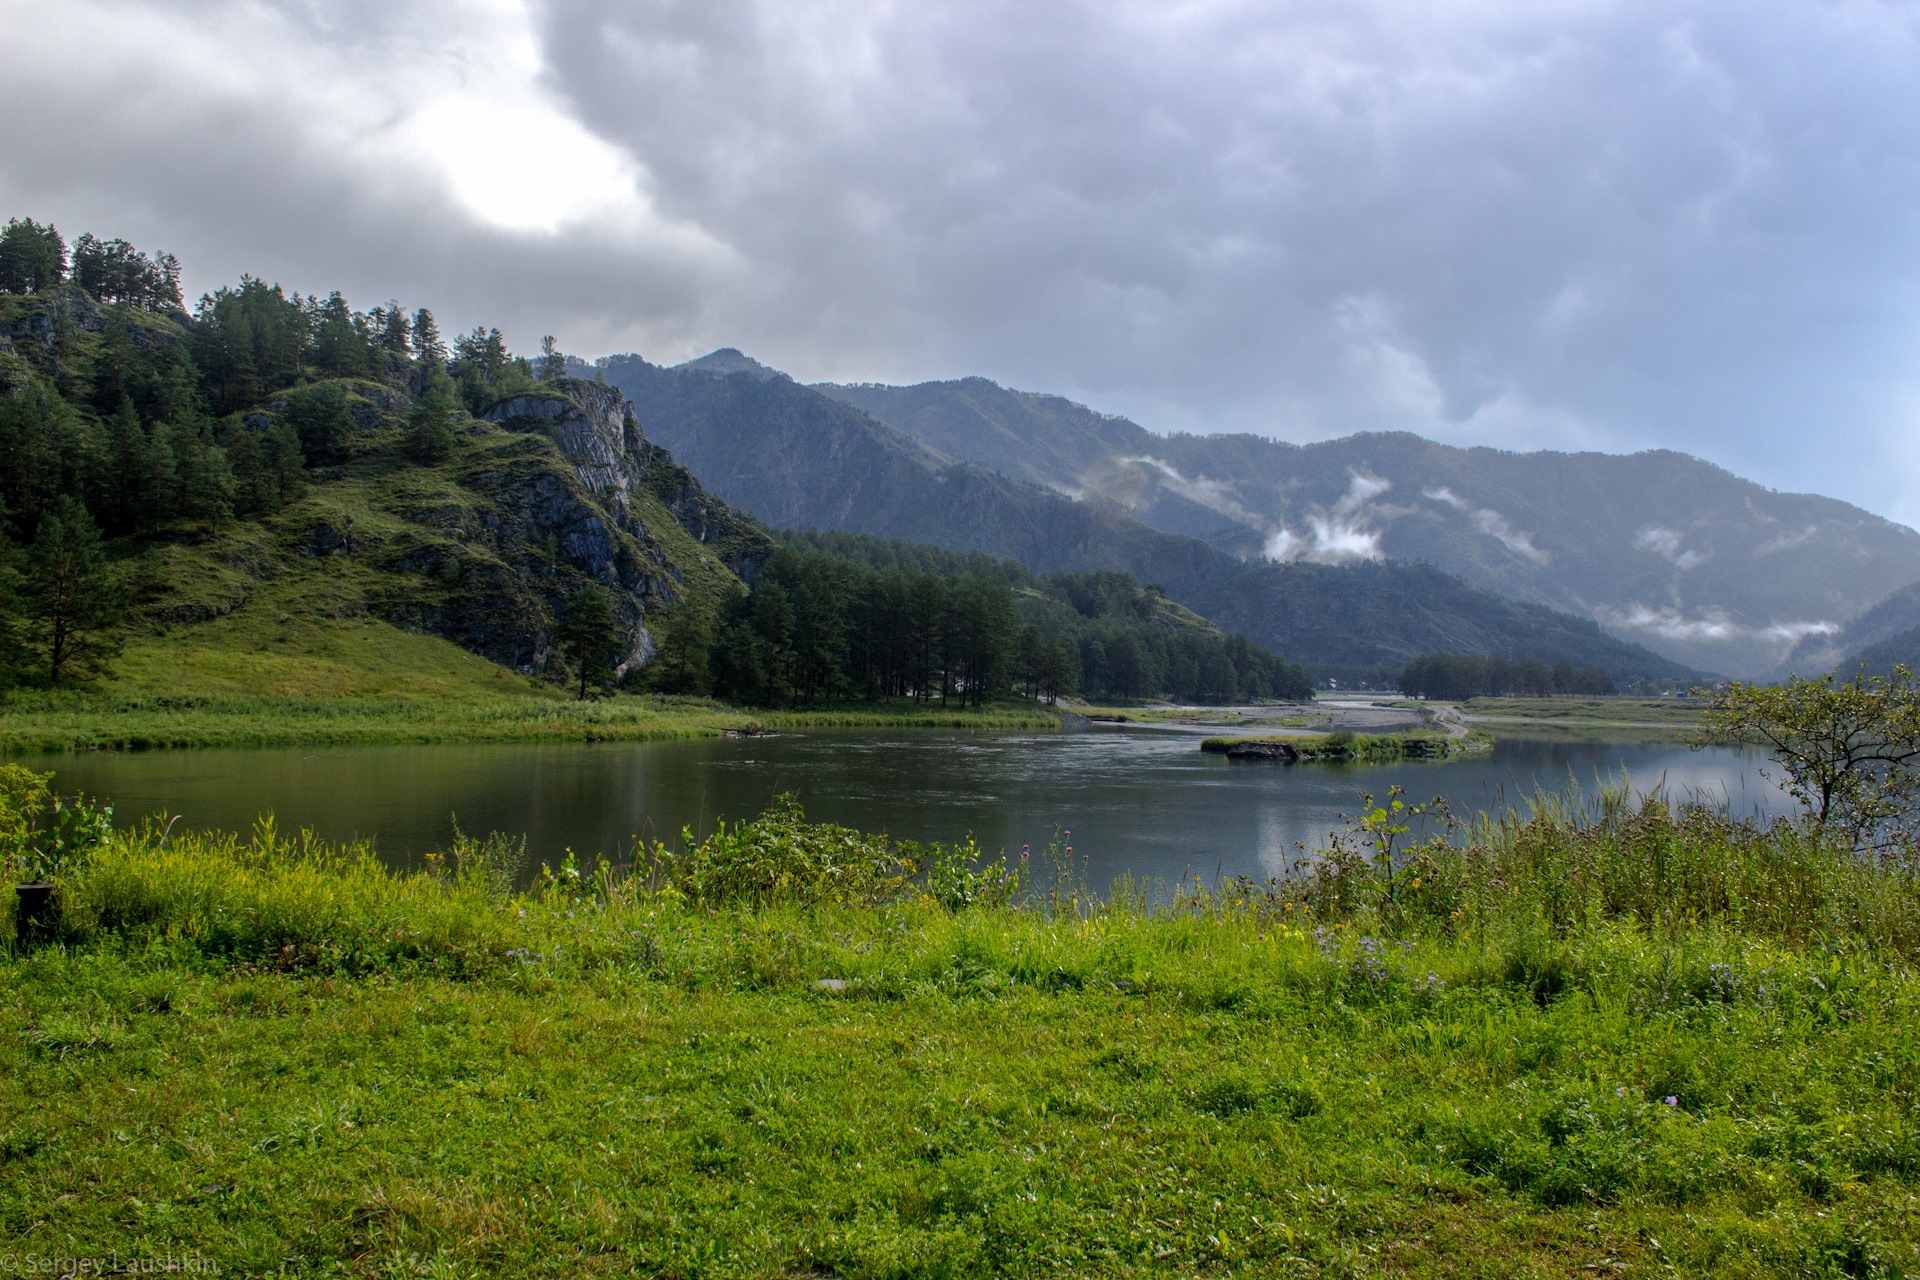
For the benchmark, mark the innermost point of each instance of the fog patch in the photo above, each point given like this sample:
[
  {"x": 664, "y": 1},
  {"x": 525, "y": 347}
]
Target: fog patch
[
  {"x": 1210, "y": 494},
  {"x": 1785, "y": 541},
  {"x": 1337, "y": 536},
  {"x": 1491, "y": 523},
  {"x": 1710, "y": 624},
  {"x": 1666, "y": 543}
]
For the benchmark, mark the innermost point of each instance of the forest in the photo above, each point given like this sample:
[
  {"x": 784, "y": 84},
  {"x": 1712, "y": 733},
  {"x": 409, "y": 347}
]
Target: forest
[
  {"x": 1457, "y": 676},
  {"x": 848, "y": 616}
]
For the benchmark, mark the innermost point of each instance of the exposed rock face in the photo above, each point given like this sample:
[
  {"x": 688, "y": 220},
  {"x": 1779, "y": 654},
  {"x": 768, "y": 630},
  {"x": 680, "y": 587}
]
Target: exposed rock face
[{"x": 510, "y": 548}]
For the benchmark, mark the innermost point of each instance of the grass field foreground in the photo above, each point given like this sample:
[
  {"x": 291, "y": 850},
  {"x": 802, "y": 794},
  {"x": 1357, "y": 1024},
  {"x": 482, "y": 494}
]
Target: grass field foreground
[{"x": 1603, "y": 1039}]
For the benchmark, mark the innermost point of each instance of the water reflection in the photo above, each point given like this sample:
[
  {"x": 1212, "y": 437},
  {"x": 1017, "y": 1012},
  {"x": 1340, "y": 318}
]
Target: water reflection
[{"x": 1137, "y": 801}]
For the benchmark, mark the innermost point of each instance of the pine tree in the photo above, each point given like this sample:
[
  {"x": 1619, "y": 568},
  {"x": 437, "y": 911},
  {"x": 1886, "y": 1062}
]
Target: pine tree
[
  {"x": 427, "y": 346},
  {"x": 680, "y": 664},
  {"x": 32, "y": 257},
  {"x": 587, "y": 633},
  {"x": 429, "y": 438},
  {"x": 127, "y": 465},
  {"x": 285, "y": 463},
  {"x": 72, "y": 599},
  {"x": 553, "y": 365},
  {"x": 319, "y": 415},
  {"x": 14, "y": 656}
]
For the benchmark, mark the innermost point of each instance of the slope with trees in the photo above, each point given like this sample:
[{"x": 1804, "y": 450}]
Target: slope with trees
[
  {"x": 178, "y": 469},
  {"x": 799, "y": 459},
  {"x": 1646, "y": 543}
]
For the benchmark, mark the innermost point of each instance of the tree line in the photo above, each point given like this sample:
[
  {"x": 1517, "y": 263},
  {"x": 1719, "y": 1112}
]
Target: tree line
[
  {"x": 1456, "y": 676},
  {"x": 834, "y": 616}
]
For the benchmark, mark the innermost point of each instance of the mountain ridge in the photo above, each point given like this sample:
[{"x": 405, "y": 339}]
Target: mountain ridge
[
  {"x": 799, "y": 459},
  {"x": 1661, "y": 547}
]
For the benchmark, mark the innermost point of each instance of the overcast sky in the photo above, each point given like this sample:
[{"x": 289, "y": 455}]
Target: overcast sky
[{"x": 1531, "y": 225}]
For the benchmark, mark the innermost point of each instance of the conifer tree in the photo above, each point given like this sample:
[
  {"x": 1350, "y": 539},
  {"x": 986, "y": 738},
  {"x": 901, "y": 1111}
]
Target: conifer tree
[
  {"x": 32, "y": 257},
  {"x": 587, "y": 634},
  {"x": 553, "y": 365},
  {"x": 427, "y": 345},
  {"x": 72, "y": 599},
  {"x": 680, "y": 664}
]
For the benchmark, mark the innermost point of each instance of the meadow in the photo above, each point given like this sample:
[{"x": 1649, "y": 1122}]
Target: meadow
[
  {"x": 251, "y": 681},
  {"x": 1592, "y": 1038}
]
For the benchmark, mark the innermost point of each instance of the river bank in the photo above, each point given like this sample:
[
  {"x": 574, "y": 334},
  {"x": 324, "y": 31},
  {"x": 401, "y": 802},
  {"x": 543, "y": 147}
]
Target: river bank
[{"x": 1637, "y": 1043}]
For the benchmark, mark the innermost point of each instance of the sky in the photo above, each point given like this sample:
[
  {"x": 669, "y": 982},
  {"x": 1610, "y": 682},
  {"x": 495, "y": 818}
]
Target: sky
[{"x": 1688, "y": 225}]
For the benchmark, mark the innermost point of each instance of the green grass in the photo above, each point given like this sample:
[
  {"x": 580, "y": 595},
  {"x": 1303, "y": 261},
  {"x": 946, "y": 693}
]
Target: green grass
[
  {"x": 1682, "y": 713},
  {"x": 280, "y": 1057},
  {"x": 1363, "y": 748},
  {"x": 270, "y": 676}
]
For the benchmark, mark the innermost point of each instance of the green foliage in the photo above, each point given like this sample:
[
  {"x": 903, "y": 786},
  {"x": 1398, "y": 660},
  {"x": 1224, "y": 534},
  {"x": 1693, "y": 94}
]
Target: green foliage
[
  {"x": 71, "y": 600},
  {"x": 1848, "y": 749},
  {"x": 319, "y": 417},
  {"x": 248, "y": 341},
  {"x": 873, "y": 618},
  {"x": 680, "y": 661},
  {"x": 588, "y": 635},
  {"x": 44, "y": 837},
  {"x": 429, "y": 435},
  {"x": 1457, "y": 677},
  {"x": 782, "y": 858},
  {"x": 32, "y": 257},
  {"x": 115, "y": 271},
  {"x": 1535, "y": 1081}
]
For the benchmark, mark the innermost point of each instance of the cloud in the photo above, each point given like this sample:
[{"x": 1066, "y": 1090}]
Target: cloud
[
  {"x": 1785, "y": 541},
  {"x": 1336, "y": 536},
  {"x": 1665, "y": 542},
  {"x": 1596, "y": 225},
  {"x": 1710, "y": 624},
  {"x": 1491, "y": 523},
  {"x": 1208, "y": 493},
  {"x": 1495, "y": 525}
]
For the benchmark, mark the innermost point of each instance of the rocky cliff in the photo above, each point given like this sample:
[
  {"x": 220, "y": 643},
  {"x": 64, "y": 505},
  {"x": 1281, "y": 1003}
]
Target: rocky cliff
[{"x": 542, "y": 495}]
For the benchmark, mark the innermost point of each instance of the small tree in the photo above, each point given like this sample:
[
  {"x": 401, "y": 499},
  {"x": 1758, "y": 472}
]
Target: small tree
[
  {"x": 72, "y": 599},
  {"x": 587, "y": 634},
  {"x": 1849, "y": 749},
  {"x": 427, "y": 346},
  {"x": 429, "y": 437},
  {"x": 553, "y": 365}
]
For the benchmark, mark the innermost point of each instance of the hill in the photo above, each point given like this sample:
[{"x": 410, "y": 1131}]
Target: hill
[
  {"x": 1665, "y": 549},
  {"x": 800, "y": 459}
]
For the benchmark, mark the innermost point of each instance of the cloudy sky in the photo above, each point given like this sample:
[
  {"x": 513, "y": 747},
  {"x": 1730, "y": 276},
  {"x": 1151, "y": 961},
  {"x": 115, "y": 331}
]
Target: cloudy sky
[{"x": 1689, "y": 224}]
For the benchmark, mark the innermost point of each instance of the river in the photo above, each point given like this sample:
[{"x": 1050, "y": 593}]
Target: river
[{"x": 1136, "y": 800}]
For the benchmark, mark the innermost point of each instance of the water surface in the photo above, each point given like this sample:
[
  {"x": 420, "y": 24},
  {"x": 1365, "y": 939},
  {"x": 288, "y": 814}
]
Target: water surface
[{"x": 1136, "y": 800}]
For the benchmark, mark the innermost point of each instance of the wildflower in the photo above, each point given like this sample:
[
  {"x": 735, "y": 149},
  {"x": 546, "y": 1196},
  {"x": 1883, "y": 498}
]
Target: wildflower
[{"x": 1672, "y": 1101}]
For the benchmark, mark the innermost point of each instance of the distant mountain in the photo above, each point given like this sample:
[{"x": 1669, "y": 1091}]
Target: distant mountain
[
  {"x": 798, "y": 459},
  {"x": 1878, "y": 636},
  {"x": 1700, "y": 565}
]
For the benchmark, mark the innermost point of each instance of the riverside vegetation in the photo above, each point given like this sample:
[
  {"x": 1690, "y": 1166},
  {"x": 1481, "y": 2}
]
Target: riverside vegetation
[{"x": 1601, "y": 1035}]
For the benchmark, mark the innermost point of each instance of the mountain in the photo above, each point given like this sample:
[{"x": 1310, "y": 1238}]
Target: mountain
[
  {"x": 797, "y": 458},
  {"x": 1887, "y": 633},
  {"x": 540, "y": 491},
  {"x": 1694, "y": 562}
]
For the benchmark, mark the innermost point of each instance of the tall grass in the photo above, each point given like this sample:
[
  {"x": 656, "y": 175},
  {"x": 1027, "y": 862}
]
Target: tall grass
[{"x": 1508, "y": 898}]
